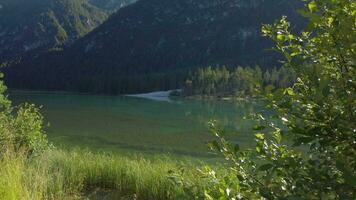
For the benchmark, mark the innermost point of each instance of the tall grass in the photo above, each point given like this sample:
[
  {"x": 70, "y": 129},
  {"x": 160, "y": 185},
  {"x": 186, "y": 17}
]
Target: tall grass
[
  {"x": 60, "y": 174},
  {"x": 21, "y": 178}
]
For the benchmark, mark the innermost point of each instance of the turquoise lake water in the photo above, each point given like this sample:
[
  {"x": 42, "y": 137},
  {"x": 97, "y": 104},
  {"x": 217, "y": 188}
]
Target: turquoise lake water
[{"x": 131, "y": 124}]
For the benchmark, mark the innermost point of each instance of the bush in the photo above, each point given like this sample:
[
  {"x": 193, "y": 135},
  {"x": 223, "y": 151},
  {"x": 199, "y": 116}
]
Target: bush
[
  {"x": 21, "y": 129},
  {"x": 318, "y": 113}
]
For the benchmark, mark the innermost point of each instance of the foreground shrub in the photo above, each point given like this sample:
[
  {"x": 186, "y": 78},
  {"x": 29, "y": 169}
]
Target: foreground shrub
[
  {"x": 21, "y": 128},
  {"x": 318, "y": 113}
]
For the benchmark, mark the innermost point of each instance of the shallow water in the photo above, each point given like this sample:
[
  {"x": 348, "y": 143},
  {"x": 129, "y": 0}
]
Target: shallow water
[{"x": 121, "y": 123}]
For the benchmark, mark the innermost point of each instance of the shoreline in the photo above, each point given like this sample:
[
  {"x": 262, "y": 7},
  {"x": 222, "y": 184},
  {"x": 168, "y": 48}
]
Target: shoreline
[
  {"x": 226, "y": 98},
  {"x": 156, "y": 95}
]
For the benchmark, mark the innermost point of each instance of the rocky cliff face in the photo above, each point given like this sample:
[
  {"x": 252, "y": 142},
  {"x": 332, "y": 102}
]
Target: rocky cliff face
[{"x": 27, "y": 25}]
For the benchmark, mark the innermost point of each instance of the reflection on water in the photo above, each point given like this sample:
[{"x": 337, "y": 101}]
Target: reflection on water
[
  {"x": 138, "y": 124},
  {"x": 157, "y": 96}
]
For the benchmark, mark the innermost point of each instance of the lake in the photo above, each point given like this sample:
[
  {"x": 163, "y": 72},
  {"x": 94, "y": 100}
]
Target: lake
[{"x": 139, "y": 125}]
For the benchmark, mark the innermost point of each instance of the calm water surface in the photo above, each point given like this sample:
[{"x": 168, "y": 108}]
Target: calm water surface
[{"x": 139, "y": 125}]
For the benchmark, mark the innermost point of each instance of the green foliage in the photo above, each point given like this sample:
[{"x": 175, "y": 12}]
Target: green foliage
[
  {"x": 317, "y": 158},
  {"x": 238, "y": 82},
  {"x": 21, "y": 129},
  {"x": 4, "y": 102}
]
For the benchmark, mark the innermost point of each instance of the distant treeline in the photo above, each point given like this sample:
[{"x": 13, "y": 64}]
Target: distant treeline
[
  {"x": 237, "y": 82},
  {"x": 50, "y": 76}
]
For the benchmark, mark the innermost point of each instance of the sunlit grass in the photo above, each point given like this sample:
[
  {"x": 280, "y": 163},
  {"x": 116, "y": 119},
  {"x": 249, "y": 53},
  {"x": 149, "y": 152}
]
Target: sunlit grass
[
  {"x": 60, "y": 174},
  {"x": 25, "y": 179}
]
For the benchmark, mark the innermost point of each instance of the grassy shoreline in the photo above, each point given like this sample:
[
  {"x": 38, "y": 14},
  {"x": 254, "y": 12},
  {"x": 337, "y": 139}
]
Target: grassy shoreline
[{"x": 81, "y": 174}]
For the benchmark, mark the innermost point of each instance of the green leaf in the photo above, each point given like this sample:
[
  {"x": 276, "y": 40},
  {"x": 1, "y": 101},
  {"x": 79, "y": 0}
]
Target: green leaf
[
  {"x": 289, "y": 91},
  {"x": 207, "y": 196},
  {"x": 258, "y": 149},
  {"x": 280, "y": 38},
  {"x": 330, "y": 21},
  {"x": 214, "y": 145},
  {"x": 222, "y": 198},
  {"x": 277, "y": 136},
  {"x": 222, "y": 191},
  {"x": 290, "y": 36},
  {"x": 260, "y": 136},
  {"x": 312, "y": 6}
]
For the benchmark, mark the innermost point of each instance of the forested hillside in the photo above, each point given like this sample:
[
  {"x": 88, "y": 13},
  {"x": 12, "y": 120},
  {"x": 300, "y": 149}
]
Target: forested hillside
[
  {"x": 151, "y": 44},
  {"x": 111, "y": 5},
  {"x": 27, "y": 25},
  {"x": 240, "y": 82}
]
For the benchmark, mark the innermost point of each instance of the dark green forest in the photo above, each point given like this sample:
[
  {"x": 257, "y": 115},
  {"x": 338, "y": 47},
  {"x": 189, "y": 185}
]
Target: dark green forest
[
  {"x": 154, "y": 44},
  {"x": 238, "y": 82},
  {"x": 32, "y": 26}
]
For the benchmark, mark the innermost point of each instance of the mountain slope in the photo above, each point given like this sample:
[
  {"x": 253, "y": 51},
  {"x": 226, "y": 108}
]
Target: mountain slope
[
  {"x": 111, "y": 5},
  {"x": 151, "y": 44},
  {"x": 27, "y": 25}
]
